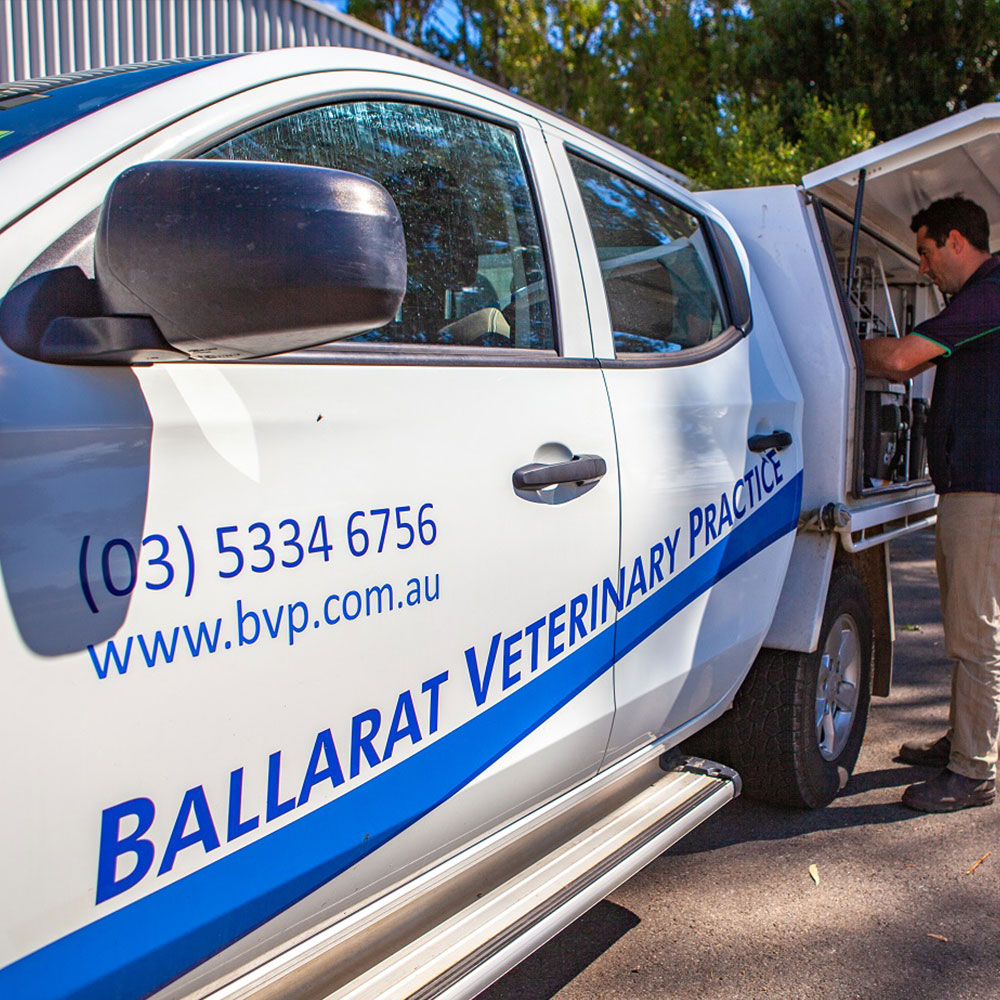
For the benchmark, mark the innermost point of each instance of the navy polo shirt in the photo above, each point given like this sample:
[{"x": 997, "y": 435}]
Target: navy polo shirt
[{"x": 963, "y": 428}]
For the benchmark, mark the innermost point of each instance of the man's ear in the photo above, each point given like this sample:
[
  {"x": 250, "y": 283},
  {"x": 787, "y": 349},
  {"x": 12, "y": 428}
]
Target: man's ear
[{"x": 956, "y": 242}]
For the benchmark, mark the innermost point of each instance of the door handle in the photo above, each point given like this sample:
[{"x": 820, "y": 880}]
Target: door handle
[
  {"x": 579, "y": 469},
  {"x": 779, "y": 440}
]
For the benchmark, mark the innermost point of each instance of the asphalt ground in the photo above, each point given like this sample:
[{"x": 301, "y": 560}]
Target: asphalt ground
[{"x": 904, "y": 907}]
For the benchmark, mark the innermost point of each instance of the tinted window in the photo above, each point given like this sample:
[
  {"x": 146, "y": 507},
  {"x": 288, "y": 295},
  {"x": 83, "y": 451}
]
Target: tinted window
[
  {"x": 658, "y": 273},
  {"x": 476, "y": 274}
]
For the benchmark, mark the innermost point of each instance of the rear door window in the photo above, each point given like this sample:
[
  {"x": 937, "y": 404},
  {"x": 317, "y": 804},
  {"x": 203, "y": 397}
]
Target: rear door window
[{"x": 660, "y": 280}]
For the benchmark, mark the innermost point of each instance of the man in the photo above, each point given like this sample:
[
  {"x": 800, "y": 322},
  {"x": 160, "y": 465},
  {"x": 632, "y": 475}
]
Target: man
[{"x": 963, "y": 439}]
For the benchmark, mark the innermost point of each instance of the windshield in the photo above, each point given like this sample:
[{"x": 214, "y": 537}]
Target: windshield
[{"x": 33, "y": 108}]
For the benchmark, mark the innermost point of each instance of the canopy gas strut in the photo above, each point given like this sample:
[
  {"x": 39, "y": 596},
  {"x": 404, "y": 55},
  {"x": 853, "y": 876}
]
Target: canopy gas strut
[{"x": 858, "y": 203}]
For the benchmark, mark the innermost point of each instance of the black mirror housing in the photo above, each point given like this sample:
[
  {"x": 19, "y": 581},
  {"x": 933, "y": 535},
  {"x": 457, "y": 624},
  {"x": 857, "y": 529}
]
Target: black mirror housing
[
  {"x": 219, "y": 260},
  {"x": 237, "y": 259}
]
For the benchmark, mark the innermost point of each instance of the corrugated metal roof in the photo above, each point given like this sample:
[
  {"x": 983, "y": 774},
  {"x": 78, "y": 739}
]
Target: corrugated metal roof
[{"x": 54, "y": 37}]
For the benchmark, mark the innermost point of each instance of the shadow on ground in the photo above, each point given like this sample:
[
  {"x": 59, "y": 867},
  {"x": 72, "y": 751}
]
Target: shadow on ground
[{"x": 543, "y": 974}]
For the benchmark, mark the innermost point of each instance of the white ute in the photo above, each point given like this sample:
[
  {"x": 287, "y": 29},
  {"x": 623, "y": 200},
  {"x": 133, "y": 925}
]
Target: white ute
[{"x": 396, "y": 481}]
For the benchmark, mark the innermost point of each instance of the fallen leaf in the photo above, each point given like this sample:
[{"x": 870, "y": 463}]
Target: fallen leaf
[
  {"x": 979, "y": 862},
  {"x": 909, "y": 628},
  {"x": 938, "y": 937},
  {"x": 814, "y": 872}
]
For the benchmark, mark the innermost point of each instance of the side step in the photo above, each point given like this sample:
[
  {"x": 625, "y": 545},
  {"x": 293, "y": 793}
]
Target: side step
[{"x": 451, "y": 932}]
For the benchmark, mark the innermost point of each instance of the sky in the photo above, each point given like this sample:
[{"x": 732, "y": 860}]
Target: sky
[{"x": 446, "y": 15}]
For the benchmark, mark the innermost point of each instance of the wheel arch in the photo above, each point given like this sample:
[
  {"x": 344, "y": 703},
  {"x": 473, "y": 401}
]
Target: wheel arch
[
  {"x": 770, "y": 734},
  {"x": 799, "y": 614},
  {"x": 872, "y": 566}
]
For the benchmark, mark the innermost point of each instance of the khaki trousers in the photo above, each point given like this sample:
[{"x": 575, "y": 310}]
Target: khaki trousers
[{"x": 968, "y": 565}]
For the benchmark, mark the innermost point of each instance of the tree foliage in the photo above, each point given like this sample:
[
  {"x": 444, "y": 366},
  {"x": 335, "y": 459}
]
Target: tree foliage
[
  {"x": 754, "y": 92},
  {"x": 910, "y": 62}
]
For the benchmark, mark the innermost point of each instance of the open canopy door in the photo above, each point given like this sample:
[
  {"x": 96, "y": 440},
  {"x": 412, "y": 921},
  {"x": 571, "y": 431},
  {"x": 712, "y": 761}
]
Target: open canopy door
[{"x": 959, "y": 155}]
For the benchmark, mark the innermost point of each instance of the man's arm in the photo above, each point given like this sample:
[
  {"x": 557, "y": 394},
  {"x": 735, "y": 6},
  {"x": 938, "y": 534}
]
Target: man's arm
[{"x": 899, "y": 358}]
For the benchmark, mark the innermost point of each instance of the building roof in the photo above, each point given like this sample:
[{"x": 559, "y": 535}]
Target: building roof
[{"x": 43, "y": 40}]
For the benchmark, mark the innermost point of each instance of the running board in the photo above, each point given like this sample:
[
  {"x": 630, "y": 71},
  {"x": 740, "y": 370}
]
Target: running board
[{"x": 454, "y": 930}]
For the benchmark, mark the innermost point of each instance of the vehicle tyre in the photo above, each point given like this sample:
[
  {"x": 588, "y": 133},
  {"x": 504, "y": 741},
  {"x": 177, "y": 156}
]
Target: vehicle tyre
[{"x": 796, "y": 726}]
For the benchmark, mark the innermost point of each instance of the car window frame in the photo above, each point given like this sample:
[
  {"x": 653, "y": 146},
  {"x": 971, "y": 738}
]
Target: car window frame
[
  {"x": 428, "y": 350},
  {"x": 549, "y": 217}
]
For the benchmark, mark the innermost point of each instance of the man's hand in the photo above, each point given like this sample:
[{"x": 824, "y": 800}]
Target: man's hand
[{"x": 899, "y": 358}]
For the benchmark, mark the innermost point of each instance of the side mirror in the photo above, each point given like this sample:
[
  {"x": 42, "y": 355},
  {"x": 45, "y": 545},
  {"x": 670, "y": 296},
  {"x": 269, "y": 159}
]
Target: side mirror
[
  {"x": 736, "y": 290},
  {"x": 219, "y": 260}
]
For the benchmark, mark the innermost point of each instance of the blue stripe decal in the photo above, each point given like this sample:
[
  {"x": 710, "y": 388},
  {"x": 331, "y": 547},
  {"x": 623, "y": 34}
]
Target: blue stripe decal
[{"x": 136, "y": 950}]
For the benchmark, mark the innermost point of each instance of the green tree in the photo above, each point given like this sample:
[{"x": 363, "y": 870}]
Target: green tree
[
  {"x": 667, "y": 77},
  {"x": 909, "y": 62},
  {"x": 750, "y": 147}
]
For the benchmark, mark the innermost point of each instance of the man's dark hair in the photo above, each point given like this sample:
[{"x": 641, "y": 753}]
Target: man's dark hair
[{"x": 942, "y": 216}]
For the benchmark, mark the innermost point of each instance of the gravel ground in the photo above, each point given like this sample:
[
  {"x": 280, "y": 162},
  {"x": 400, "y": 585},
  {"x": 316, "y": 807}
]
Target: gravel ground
[{"x": 732, "y": 911}]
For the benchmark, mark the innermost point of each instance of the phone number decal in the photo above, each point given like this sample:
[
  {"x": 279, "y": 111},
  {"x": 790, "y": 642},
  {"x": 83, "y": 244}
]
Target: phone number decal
[{"x": 114, "y": 567}]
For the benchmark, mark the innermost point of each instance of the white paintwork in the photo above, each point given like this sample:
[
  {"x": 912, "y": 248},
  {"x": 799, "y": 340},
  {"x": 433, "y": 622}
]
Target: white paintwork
[
  {"x": 798, "y": 617},
  {"x": 779, "y": 230},
  {"x": 219, "y": 413},
  {"x": 957, "y": 155},
  {"x": 780, "y": 237},
  {"x": 786, "y": 253},
  {"x": 235, "y": 445},
  {"x": 56, "y": 159},
  {"x": 682, "y": 441},
  {"x": 118, "y": 455}
]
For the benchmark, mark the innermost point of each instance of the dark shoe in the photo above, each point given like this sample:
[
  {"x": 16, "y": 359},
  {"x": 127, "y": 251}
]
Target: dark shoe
[
  {"x": 949, "y": 792},
  {"x": 934, "y": 754}
]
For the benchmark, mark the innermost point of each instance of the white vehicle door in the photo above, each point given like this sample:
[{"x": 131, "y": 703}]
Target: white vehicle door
[
  {"x": 707, "y": 421},
  {"x": 301, "y": 627}
]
